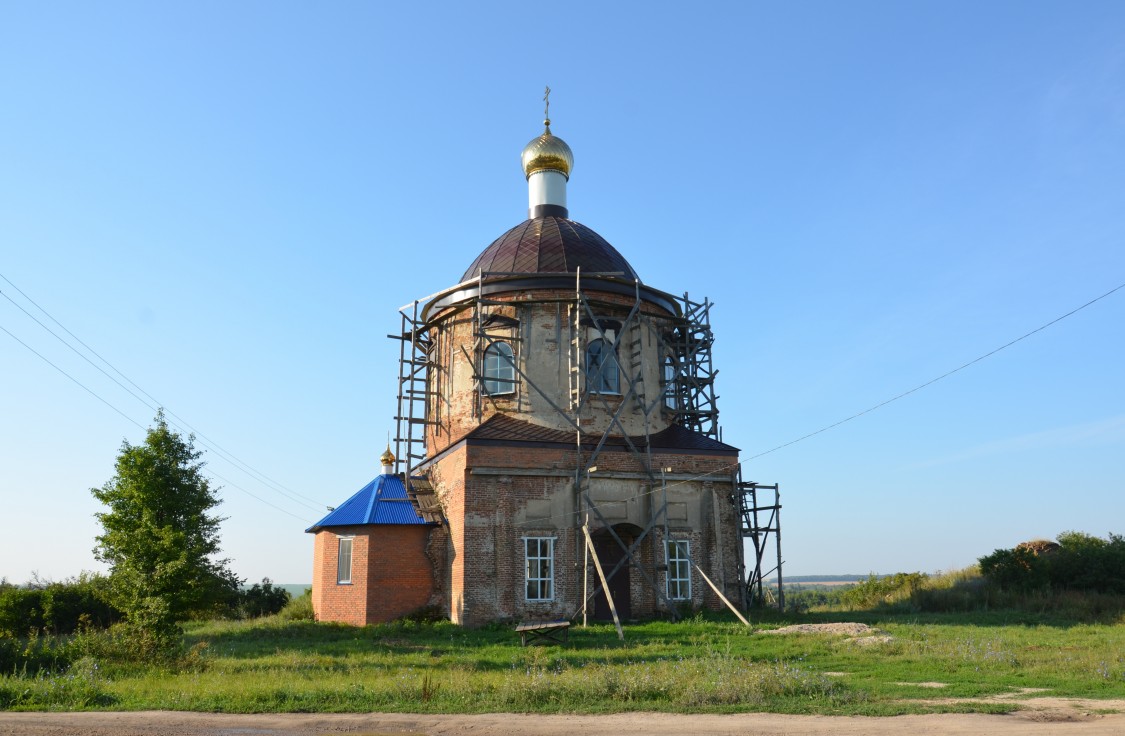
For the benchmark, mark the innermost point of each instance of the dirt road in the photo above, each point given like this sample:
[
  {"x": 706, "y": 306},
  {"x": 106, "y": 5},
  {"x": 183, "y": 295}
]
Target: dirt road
[{"x": 1044, "y": 716}]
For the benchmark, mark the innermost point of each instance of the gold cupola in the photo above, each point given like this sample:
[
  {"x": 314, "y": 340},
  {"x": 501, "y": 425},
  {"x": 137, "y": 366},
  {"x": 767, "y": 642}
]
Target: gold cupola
[
  {"x": 387, "y": 459},
  {"x": 548, "y": 152},
  {"x": 547, "y": 163}
]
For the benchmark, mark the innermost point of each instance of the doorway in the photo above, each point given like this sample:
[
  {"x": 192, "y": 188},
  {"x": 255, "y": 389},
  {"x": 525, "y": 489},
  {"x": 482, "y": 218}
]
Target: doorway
[{"x": 609, "y": 554}]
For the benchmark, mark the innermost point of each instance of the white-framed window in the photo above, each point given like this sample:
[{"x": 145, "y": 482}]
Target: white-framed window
[
  {"x": 602, "y": 376},
  {"x": 499, "y": 369},
  {"x": 679, "y": 569},
  {"x": 344, "y": 561},
  {"x": 539, "y": 557},
  {"x": 669, "y": 380}
]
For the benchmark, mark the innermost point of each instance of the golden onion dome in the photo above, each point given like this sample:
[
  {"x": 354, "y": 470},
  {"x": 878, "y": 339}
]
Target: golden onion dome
[
  {"x": 547, "y": 152},
  {"x": 388, "y": 457}
]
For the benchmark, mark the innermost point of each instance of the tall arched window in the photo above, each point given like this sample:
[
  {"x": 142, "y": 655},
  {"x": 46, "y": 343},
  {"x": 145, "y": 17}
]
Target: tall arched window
[
  {"x": 601, "y": 368},
  {"x": 499, "y": 369},
  {"x": 668, "y": 381}
]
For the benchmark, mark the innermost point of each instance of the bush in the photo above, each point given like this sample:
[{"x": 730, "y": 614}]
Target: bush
[
  {"x": 1019, "y": 569},
  {"x": 886, "y": 590},
  {"x": 299, "y": 608},
  {"x": 56, "y": 608},
  {"x": 1082, "y": 562},
  {"x": 261, "y": 599}
]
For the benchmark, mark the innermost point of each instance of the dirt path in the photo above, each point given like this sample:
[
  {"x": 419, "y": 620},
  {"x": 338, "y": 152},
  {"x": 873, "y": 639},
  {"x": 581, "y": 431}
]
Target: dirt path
[{"x": 1043, "y": 716}]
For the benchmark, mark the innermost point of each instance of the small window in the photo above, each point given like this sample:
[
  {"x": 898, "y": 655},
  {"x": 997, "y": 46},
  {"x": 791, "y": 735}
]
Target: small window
[
  {"x": 344, "y": 561},
  {"x": 669, "y": 378},
  {"x": 602, "y": 376},
  {"x": 539, "y": 553},
  {"x": 499, "y": 369},
  {"x": 679, "y": 569}
]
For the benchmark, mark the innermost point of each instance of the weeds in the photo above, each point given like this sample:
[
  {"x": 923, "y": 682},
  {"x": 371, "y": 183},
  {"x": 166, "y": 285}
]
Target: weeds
[{"x": 705, "y": 665}]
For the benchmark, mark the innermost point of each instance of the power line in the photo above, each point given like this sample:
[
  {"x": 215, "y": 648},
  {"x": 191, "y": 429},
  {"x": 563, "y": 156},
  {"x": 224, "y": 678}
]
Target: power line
[
  {"x": 81, "y": 385},
  {"x": 251, "y": 495},
  {"x": 138, "y": 424},
  {"x": 565, "y": 516},
  {"x": 222, "y": 452},
  {"x": 935, "y": 380}
]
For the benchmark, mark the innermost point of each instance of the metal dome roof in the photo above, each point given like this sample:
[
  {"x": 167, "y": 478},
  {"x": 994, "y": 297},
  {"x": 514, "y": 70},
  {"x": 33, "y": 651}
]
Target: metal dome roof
[{"x": 550, "y": 244}]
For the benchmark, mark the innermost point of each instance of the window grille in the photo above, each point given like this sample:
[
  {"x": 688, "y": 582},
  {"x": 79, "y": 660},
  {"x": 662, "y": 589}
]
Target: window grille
[
  {"x": 679, "y": 569},
  {"x": 602, "y": 376},
  {"x": 539, "y": 553},
  {"x": 499, "y": 369}
]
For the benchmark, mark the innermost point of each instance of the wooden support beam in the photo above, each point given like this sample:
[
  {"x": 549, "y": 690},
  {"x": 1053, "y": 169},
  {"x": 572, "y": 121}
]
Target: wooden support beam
[
  {"x": 605, "y": 585},
  {"x": 722, "y": 597}
]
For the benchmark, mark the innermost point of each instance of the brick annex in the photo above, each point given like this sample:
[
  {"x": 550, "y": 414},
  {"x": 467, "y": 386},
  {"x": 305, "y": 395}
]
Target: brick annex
[{"x": 556, "y": 415}]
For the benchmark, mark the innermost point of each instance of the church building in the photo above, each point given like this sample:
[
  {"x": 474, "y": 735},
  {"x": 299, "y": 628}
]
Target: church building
[{"x": 557, "y": 427}]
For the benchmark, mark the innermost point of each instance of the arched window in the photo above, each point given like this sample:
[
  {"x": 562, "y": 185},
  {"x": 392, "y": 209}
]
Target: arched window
[
  {"x": 601, "y": 368},
  {"x": 499, "y": 369},
  {"x": 669, "y": 382}
]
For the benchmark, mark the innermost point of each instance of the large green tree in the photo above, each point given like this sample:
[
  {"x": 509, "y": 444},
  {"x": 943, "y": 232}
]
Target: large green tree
[{"x": 160, "y": 536}]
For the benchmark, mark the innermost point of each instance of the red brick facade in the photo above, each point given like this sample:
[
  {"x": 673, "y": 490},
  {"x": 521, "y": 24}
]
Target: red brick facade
[
  {"x": 496, "y": 496},
  {"x": 391, "y": 577}
]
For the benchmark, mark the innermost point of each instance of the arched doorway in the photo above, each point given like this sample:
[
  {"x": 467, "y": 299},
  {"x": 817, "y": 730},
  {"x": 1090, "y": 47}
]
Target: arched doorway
[{"x": 609, "y": 554}]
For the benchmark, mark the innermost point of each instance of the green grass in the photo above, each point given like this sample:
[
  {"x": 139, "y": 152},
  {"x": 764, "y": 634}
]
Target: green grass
[{"x": 702, "y": 665}]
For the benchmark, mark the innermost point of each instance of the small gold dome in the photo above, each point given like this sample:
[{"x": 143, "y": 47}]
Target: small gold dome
[
  {"x": 388, "y": 457},
  {"x": 547, "y": 152}
]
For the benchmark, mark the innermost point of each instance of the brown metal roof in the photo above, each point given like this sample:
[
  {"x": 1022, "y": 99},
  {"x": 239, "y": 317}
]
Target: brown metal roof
[
  {"x": 503, "y": 429},
  {"x": 550, "y": 244}
]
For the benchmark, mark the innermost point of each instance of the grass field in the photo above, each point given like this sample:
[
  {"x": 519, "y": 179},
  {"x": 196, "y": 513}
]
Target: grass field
[{"x": 701, "y": 665}]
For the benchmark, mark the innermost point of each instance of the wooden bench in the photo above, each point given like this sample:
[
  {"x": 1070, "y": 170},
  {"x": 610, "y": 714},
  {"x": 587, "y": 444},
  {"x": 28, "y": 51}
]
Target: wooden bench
[{"x": 544, "y": 632}]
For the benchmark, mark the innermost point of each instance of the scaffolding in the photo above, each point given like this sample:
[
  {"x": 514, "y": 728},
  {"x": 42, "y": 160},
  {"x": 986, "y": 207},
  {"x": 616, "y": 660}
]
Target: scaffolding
[
  {"x": 760, "y": 508},
  {"x": 687, "y": 391},
  {"x": 692, "y": 380},
  {"x": 414, "y": 392}
]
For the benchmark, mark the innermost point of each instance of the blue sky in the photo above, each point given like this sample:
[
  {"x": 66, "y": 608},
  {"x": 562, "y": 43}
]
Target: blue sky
[{"x": 229, "y": 202}]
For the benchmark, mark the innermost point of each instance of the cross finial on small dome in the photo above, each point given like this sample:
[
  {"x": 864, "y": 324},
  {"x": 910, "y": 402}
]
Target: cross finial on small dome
[{"x": 547, "y": 108}]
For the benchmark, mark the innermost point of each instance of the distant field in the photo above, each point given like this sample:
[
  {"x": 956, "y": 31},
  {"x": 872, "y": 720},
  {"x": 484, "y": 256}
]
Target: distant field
[
  {"x": 805, "y": 581},
  {"x": 826, "y": 583},
  {"x": 295, "y": 589}
]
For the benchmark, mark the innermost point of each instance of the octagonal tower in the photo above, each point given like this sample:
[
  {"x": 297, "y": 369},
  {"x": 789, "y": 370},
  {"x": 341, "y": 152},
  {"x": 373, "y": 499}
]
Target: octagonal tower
[{"x": 551, "y": 396}]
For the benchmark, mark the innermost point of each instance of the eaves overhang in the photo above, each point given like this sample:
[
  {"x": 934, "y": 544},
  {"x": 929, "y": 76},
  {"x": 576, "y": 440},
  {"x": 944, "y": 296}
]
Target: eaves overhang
[{"x": 494, "y": 284}]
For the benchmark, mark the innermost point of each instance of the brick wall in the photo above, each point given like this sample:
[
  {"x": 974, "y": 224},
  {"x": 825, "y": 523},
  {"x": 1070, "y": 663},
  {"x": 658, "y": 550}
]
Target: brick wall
[
  {"x": 488, "y": 519},
  {"x": 332, "y": 601},
  {"x": 391, "y": 574},
  {"x": 448, "y": 479},
  {"x": 400, "y": 577}
]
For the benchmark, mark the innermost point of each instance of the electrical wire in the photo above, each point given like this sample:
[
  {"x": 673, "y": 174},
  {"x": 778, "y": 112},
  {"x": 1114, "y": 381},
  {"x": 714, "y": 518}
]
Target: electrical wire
[
  {"x": 138, "y": 424},
  {"x": 181, "y": 424},
  {"x": 251, "y": 495},
  {"x": 932, "y": 381},
  {"x": 81, "y": 385},
  {"x": 859, "y": 414},
  {"x": 635, "y": 496}
]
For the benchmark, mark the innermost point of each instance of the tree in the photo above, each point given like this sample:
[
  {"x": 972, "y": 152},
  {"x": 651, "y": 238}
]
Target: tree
[{"x": 159, "y": 535}]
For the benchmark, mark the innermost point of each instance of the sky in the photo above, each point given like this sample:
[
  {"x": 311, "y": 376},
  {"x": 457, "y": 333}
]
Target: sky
[{"x": 229, "y": 202}]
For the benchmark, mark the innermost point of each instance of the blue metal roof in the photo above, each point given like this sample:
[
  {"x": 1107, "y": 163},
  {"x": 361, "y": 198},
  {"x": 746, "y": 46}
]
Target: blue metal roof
[{"x": 382, "y": 501}]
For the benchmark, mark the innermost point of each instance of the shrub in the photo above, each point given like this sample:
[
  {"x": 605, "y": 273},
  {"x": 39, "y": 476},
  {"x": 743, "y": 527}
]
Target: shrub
[
  {"x": 299, "y": 608},
  {"x": 262, "y": 599},
  {"x": 1019, "y": 569},
  {"x": 1082, "y": 562},
  {"x": 56, "y": 608},
  {"x": 21, "y": 611},
  {"x": 885, "y": 590}
]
